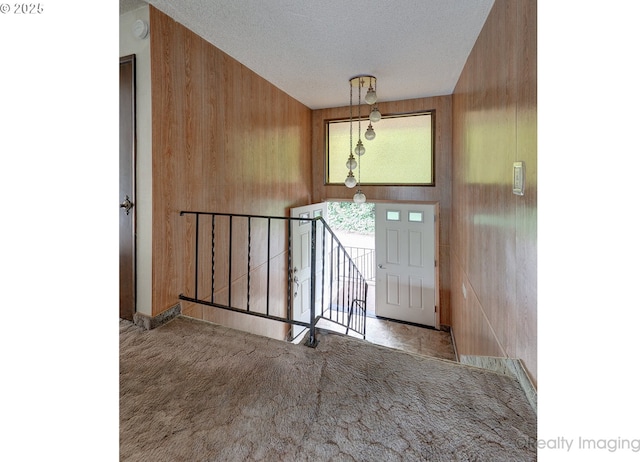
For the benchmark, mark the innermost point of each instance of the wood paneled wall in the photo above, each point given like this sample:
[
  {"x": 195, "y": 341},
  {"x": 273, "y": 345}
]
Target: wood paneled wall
[
  {"x": 440, "y": 193},
  {"x": 224, "y": 140},
  {"x": 494, "y": 237}
]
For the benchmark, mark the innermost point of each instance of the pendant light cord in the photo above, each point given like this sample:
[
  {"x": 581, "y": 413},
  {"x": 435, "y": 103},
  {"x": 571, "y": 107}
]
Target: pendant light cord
[
  {"x": 360, "y": 83},
  {"x": 351, "y": 122}
]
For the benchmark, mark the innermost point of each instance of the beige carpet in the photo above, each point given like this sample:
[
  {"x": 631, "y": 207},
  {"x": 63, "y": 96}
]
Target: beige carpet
[{"x": 194, "y": 391}]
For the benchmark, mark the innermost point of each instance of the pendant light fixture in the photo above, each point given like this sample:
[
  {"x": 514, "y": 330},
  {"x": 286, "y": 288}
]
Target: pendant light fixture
[{"x": 370, "y": 98}]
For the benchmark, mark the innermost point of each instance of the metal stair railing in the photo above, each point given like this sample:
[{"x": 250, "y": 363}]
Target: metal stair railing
[
  {"x": 347, "y": 289},
  {"x": 242, "y": 263}
]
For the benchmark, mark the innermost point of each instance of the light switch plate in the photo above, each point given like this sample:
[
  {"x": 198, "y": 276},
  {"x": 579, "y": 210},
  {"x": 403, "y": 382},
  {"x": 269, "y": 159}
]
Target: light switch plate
[{"x": 518, "y": 178}]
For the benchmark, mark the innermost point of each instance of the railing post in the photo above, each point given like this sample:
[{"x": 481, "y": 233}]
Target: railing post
[
  {"x": 213, "y": 255},
  {"x": 197, "y": 252},
  {"x": 248, "y": 263},
  {"x": 289, "y": 277},
  {"x": 364, "y": 313},
  {"x": 312, "y": 329},
  {"x": 229, "y": 283},
  {"x": 268, "y": 262}
]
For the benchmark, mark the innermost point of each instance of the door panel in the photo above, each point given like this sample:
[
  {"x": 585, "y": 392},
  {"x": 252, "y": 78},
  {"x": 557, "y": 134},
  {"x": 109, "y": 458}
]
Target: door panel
[
  {"x": 415, "y": 249},
  {"x": 405, "y": 274},
  {"x": 393, "y": 246},
  {"x": 393, "y": 290},
  {"x": 416, "y": 292},
  {"x": 126, "y": 191}
]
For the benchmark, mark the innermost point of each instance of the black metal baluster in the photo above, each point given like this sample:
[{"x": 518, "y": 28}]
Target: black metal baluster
[
  {"x": 213, "y": 254},
  {"x": 350, "y": 297},
  {"x": 248, "y": 262},
  {"x": 360, "y": 305},
  {"x": 268, "y": 262},
  {"x": 347, "y": 273},
  {"x": 324, "y": 253},
  {"x": 197, "y": 252},
  {"x": 333, "y": 267},
  {"x": 364, "y": 308},
  {"x": 230, "y": 256},
  {"x": 312, "y": 315},
  {"x": 289, "y": 272},
  {"x": 340, "y": 297},
  {"x": 345, "y": 301}
]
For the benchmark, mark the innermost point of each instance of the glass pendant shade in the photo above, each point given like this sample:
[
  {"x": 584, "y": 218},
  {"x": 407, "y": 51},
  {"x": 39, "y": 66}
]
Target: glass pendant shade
[
  {"x": 375, "y": 115},
  {"x": 359, "y": 150},
  {"x": 370, "y": 133},
  {"x": 359, "y": 197},
  {"x": 350, "y": 182},
  {"x": 371, "y": 97},
  {"x": 351, "y": 163}
]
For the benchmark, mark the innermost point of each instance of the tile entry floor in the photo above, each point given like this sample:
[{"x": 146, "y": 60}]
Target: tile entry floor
[
  {"x": 397, "y": 334},
  {"x": 401, "y": 336}
]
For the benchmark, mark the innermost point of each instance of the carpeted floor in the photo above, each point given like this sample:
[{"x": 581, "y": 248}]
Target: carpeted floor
[{"x": 194, "y": 391}]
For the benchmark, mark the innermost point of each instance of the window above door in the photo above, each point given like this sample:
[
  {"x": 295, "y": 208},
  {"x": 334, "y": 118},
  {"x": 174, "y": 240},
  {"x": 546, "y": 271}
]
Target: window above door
[{"x": 402, "y": 152}]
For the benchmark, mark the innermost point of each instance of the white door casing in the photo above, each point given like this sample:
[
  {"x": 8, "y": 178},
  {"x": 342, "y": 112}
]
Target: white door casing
[
  {"x": 301, "y": 263},
  {"x": 406, "y": 282}
]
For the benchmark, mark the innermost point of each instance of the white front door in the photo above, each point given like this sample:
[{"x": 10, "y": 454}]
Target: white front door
[
  {"x": 405, "y": 254},
  {"x": 301, "y": 262}
]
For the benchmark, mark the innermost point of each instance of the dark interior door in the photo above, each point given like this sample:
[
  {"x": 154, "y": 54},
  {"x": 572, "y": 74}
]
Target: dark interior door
[{"x": 127, "y": 188}]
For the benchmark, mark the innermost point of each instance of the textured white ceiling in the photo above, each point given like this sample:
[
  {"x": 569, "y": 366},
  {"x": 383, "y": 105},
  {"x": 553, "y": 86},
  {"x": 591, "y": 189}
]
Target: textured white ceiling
[
  {"x": 311, "y": 48},
  {"x": 130, "y": 5}
]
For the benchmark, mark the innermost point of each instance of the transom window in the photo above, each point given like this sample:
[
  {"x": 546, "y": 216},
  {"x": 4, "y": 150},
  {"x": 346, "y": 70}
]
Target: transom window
[{"x": 400, "y": 154}]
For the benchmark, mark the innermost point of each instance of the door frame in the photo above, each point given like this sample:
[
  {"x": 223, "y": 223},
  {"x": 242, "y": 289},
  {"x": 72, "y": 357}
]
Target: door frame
[
  {"x": 436, "y": 205},
  {"x": 311, "y": 211},
  {"x": 127, "y": 187}
]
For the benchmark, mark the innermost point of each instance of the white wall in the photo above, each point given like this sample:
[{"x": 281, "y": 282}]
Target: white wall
[{"x": 129, "y": 44}]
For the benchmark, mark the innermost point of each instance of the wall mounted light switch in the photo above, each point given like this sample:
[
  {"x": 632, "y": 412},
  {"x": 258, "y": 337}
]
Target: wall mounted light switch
[{"x": 518, "y": 178}]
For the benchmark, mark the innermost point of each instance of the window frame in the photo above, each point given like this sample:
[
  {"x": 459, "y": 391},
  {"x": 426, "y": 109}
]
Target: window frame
[{"x": 431, "y": 112}]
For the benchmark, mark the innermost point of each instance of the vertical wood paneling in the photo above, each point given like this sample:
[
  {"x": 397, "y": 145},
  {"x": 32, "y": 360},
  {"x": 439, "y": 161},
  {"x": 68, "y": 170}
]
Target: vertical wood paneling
[
  {"x": 526, "y": 206},
  {"x": 224, "y": 140},
  {"x": 493, "y": 242},
  {"x": 440, "y": 193}
]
